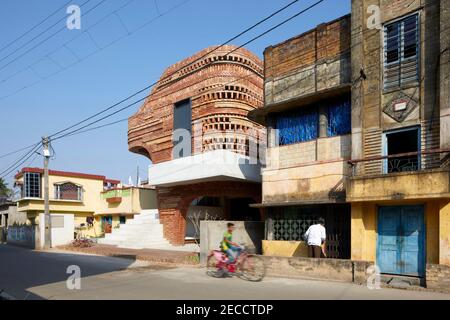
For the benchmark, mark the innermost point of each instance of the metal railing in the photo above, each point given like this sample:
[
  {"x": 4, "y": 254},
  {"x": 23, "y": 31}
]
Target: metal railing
[{"x": 401, "y": 162}]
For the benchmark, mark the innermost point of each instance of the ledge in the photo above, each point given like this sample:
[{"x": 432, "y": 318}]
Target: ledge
[
  {"x": 51, "y": 200},
  {"x": 424, "y": 184},
  {"x": 258, "y": 115}
]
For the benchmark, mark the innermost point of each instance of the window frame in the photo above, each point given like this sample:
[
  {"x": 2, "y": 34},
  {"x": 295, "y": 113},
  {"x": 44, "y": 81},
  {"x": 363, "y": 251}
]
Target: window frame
[
  {"x": 26, "y": 189},
  {"x": 188, "y": 127},
  {"x": 57, "y": 192},
  {"x": 384, "y": 143},
  {"x": 401, "y": 60}
]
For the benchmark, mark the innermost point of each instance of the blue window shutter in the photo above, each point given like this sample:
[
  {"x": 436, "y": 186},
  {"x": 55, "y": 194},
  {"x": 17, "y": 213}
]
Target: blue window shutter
[
  {"x": 297, "y": 126},
  {"x": 339, "y": 118}
]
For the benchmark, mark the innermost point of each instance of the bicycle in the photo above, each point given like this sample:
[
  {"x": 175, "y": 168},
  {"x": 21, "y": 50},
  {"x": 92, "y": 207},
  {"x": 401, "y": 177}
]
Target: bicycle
[{"x": 246, "y": 266}]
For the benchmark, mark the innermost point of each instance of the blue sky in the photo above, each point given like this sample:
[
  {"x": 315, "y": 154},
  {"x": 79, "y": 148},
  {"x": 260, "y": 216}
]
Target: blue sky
[{"x": 93, "y": 71}]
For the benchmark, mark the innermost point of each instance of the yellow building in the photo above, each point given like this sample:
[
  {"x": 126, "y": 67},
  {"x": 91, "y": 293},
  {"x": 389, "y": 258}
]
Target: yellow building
[
  {"x": 81, "y": 204},
  {"x": 399, "y": 185}
]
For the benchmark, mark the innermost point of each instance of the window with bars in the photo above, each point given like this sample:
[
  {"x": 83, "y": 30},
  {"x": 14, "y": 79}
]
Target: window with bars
[
  {"x": 31, "y": 185},
  {"x": 291, "y": 223},
  {"x": 401, "y": 52},
  {"x": 68, "y": 191}
]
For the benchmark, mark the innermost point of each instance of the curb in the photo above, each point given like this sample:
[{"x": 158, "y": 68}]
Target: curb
[
  {"x": 5, "y": 296},
  {"x": 137, "y": 257}
]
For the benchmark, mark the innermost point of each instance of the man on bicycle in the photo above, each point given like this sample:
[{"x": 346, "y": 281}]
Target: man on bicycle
[{"x": 230, "y": 248}]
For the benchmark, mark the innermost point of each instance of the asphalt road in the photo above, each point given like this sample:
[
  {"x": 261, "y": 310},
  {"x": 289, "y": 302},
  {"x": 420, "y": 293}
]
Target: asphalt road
[{"x": 26, "y": 274}]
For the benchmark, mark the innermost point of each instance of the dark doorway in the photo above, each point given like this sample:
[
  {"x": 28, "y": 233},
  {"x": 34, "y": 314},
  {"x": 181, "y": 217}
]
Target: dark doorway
[
  {"x": 240, "y": 210},
  {"x": 403, "y": 141}
]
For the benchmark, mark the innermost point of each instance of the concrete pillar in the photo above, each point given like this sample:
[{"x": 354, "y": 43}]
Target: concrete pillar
[
  {"x": 444, "y": 234},
  {"x": 432, "y": 231},
  {"x": 323, "y": 122},
  {"x": 357, "y": 232},
  {"x": 272, "y": 136},
  {"x": 363, "y": 231}
]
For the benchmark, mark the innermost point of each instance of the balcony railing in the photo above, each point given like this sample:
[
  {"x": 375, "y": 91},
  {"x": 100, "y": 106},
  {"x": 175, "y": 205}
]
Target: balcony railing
[
  {"x": 401, "y": 162},
  {"x": 115, "y": 195}
]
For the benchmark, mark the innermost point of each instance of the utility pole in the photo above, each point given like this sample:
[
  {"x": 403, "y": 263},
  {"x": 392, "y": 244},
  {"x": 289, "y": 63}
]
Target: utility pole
[
  {"x": 48, "y": 223},
  {"x": 137, "y": 176}
]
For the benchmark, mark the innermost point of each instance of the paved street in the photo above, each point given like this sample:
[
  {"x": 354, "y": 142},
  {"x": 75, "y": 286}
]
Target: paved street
[{"x": 26, "y": 274}]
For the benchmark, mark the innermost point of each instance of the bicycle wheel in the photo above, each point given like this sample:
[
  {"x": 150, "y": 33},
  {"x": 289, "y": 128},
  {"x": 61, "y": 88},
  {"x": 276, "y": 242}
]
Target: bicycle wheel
[
  {"x": 214, "y": 267},
  {"x": 252, "y": 268}
]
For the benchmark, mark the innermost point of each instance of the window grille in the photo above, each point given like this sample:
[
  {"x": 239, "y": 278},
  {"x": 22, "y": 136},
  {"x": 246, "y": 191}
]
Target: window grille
[
  {"x": 32, "y": 185},
  {"x": 291, "y": 223},
  {"x": 68, "y": 191},
  {"x": 401, "y": 52}
]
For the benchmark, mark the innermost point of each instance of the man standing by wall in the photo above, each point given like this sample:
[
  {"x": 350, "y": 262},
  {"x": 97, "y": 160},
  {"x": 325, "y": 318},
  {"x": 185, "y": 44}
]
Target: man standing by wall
[{"x": 315, "y": 237}]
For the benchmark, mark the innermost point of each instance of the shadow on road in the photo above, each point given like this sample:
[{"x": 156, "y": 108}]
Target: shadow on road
[{"x": 22, "y": 269}]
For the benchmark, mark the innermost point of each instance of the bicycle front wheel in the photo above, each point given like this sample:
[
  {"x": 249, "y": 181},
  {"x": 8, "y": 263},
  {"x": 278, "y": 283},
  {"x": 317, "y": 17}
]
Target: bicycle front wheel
[{"x": 252, "y": 268}]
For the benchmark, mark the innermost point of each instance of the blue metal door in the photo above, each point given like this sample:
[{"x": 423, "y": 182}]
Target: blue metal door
[{"x": 401, "y": 240}]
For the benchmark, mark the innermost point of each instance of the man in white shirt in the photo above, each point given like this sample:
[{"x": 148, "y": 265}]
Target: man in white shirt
[{"x": 315, "y": 237}]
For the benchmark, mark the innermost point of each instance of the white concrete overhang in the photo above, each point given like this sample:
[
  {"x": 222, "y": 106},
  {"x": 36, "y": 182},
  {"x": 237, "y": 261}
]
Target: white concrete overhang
[{"x": 217, "y": 165}]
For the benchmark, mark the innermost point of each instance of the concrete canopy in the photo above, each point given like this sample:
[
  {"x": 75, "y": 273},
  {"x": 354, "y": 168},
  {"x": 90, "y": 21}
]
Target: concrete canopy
[{"x": 218, "y": 165}]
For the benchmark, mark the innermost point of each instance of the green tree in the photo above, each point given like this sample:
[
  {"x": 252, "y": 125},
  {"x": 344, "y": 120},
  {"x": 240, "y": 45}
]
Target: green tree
[{"x": 4, "y": 190}]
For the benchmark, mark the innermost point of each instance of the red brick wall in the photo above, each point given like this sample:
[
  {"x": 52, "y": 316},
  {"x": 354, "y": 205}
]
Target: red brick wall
[
  {"x": 173, "y": 202},
  {"x": 222, "y": 92},
  {"x": 326, "y": 41}
]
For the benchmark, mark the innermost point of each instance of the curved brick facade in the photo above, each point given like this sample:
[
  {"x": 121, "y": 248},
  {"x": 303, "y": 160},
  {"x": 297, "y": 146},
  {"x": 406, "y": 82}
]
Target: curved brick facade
[{"x": 222, "y": 89}]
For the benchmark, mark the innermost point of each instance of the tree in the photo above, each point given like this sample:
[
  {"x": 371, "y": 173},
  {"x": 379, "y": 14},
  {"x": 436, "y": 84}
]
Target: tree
[
  {"x": 4, "y": 190},
  {"x": 196, "y": 218}
]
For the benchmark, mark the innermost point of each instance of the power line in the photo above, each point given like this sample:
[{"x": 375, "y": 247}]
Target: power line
[
  {"x": 115, "y": 12},
  {"x": 35, "y": 26},
  {"x": 98, "y": 127},
  {"x": 41, "y": 33},
  {"x": 253, "y": 39},
  {"x": 16, "y": 151},
  {"x": 48, "y": 38},
  {"x": 174, "y": 72},
  {"x": 146, "y": 88},
  {"x": 20, "y": 161},
  {"x": 78, "y": 130},
  {"x": 65, "y": 44}
]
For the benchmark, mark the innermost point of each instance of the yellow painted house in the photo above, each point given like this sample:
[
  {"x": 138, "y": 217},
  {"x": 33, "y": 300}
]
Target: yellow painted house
[
  {"x": 399, "y": 182},
  {"x": 84, "y": 205}
]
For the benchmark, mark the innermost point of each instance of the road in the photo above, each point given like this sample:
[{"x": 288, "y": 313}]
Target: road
[{"x": 26, "y": 274}]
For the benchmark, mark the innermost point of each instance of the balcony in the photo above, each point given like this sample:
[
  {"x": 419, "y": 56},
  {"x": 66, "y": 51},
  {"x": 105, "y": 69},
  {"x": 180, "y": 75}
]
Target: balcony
[
  {"x": 114, "y": 196},
  {"x": 405, "y": 176}
]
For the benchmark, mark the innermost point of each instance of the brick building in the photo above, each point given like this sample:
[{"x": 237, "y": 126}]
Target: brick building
[
  {"x": 307, "y": 113},
  {"x": 357, "y": 112},
  {"x": 399, "y": 186},
  {"x": 195, "y": 116}
]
